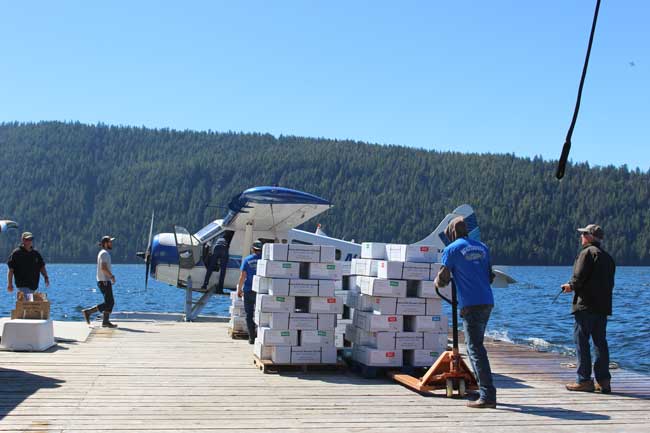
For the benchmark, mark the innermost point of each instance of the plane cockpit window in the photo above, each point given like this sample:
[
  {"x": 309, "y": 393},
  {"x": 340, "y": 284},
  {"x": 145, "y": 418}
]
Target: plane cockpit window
[
  {"x": 208, "y": 232},
  {"x": 338, "y": 254}
]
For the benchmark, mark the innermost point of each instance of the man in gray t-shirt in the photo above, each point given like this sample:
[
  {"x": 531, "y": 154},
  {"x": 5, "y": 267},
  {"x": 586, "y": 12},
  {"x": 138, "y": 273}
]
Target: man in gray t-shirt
[{"x": 105, "y": 281}]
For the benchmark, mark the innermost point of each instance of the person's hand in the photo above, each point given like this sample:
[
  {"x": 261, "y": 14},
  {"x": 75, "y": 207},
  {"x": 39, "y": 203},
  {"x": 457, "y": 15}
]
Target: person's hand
[
  {"x": 566, "y": 288},
  {"x": 113, "y": 279},
  {"x": 240, "y": 293},
  {"x": 47, "y": 282},
  {"x": 10, "y": 288}
]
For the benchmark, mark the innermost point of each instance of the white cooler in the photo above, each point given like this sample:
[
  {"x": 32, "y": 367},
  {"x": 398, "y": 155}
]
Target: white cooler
[{"x": 28, "y": 334}]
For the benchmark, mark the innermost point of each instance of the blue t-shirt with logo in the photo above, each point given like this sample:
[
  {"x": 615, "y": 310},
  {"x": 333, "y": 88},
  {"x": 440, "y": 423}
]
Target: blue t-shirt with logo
[
  {"x": 469, "y": 263},
  {"x": 249, "y": 265}
]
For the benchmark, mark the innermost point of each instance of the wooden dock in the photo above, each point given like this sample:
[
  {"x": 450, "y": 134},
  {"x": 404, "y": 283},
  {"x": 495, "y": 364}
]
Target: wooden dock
[{"x": 164, "y": 376}]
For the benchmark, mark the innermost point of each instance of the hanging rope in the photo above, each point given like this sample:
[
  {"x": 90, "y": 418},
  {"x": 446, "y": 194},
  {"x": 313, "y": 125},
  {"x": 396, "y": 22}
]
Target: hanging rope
[{"x": 567, "y": 141}]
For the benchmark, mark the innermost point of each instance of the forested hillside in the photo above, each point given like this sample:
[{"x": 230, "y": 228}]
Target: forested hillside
[{"x": 70, "y": 183}]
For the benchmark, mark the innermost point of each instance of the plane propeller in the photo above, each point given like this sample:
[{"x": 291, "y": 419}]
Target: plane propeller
[{"x": 146, "y": 255}]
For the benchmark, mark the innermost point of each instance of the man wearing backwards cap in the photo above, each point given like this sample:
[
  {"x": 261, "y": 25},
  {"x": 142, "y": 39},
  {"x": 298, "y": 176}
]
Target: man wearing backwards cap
[
  {"x": 105, "y": 281},
  {"x": 245, "y": 287},
  {"x": 25, "y": 264},
  {"x": 592, "y": 284}
]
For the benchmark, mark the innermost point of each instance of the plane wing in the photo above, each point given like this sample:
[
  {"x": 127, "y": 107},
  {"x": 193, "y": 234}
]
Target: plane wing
[{"x": 273, "y": 209}]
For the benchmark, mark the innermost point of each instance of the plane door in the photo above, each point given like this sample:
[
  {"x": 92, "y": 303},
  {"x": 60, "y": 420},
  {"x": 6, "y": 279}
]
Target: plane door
[{"x": 189, "y": 250}]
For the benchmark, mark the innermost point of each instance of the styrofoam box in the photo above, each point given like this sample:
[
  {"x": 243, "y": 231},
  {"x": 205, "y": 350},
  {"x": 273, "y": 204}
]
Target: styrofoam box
[
  {"x": 275, "y": 304},
  {"x": 326, "y": 321},
  {"x": 403, "y": 270},
  {"x": 317, "y": 338},
  {"x": 238, "y": 324},
  {"x": 281, "y": 354},
  {"x": 304, "y": 321},
  {"x": 332, "y": 305},
  {"x": 276, "y": 252},
  {"x": 328, "y": 355},
  {"x": 434, "y": 307},
  {"x": 305, "y": 355},
  {"x": 263, "y": 319},
  {"x": 434, "y": 341},
  {"x": 273, "y": 286},
  {"x": 379, "y": 305},
  {"x": 378, "y": 340},
  {"x": 324, "y": 271},
  {"x": 420, "y": 358},
  {"x": 237, "y": 303},
  {"x": 436, "y": 323},
  {"x": 435, "y": 268},
  {"x": 346, "y": 267},
  {"x": 279, "y": 321},
  {"x": 375, "y": 322},
  {"x": 272, "y": 269},
  {"x": 377, "y": 357},
  {"x": 262, "y": 351},
  {"x": 236, "y": 311},
  {"x": 327, "y": 288},
  {"x": 277, "y": 337},
  {"x": 373, "y": 250},
  {"x": 381, "y": 287},
  {"x": 411, "y": 307},
  {"x": 367, "y": 267},
  {"x": 411, "y": 253},
  {"x": 303, "y": 288}
]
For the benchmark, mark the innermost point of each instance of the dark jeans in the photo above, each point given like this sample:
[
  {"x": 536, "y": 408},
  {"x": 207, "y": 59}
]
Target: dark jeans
[
  {"x": 595, "y": 326},
  {"x": 475, "y": 319},
  {"x": 249, "y": 307},
  {"x": 217, "y": 260},
  {"x": 107, "y": 290}
]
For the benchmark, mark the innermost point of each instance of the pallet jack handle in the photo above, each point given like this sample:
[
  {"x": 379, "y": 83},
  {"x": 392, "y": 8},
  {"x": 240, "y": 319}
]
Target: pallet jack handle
[{"x": 454, "y": 313}]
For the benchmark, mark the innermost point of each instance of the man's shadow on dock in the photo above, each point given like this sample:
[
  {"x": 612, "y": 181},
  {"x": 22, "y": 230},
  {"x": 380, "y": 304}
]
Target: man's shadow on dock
[
  {"x": 552, "y": 412},
  {"x": 16, "y": 386}
]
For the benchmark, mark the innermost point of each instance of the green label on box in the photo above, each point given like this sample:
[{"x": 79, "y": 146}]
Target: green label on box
[
  {"x": 322, "y": 333},
  {"x": 434, "y": 354},
  {"x": 279, "y": 298},
  {"x": 286, "y": 265},
  {"x": 394, "y": 283},
  {"x": 331, "y": 266},
  {"x": 285, "y": 333}
]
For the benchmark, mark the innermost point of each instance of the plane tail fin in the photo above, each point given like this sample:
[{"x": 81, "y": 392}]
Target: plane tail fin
[{"x": 438, "y": 238}]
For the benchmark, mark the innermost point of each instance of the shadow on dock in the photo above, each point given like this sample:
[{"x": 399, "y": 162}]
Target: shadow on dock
[
  {"x": 17, "y": 386},
  {"x": 552, "y": 412}
]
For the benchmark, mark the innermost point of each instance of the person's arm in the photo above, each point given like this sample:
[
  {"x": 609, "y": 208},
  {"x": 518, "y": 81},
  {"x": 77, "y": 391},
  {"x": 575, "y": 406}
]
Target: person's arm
[
  {"x": 10, "y": 280},
  {"x": 107, "y": 272},
  {"x": 240, "y": 284},
  {"x": 44, "y": 273},
  {"x": 581, "y": 273},
  {"x": 443, "y": 278}
]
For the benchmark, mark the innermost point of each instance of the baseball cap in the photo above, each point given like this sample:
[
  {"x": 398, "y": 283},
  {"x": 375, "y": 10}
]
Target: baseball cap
[
  {"x": 27, "y": 235},
  {"x": 257, "y": 245},
  {"x": 106, "y": 239},
  {"x": 594, "y": 230}
]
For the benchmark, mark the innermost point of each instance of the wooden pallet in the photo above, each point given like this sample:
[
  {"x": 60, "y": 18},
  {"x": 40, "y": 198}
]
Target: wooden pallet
[
  {"x": 269, "y": 367},
  {"x": 237, "y": 335}
]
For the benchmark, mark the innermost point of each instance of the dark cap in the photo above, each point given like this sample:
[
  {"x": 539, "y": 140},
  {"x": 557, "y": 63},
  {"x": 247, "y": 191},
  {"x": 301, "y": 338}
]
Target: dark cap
[
  {"x": 106, "y": 239},
  {"x": 257, "y": 245},
  {"x": 594, "y": 230}
]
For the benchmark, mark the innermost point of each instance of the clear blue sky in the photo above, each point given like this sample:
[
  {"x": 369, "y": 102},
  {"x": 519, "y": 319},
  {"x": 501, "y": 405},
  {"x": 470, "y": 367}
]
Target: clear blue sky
[{"x": 474, "y": 76}]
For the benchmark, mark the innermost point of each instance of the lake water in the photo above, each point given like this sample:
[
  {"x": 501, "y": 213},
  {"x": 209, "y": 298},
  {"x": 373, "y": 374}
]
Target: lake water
[{"x": 524, "y": 312}]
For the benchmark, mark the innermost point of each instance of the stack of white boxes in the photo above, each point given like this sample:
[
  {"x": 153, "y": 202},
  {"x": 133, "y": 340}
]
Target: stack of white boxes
[
  {"x": 296, "y": 307},
  {"x": 397, "y": 315},
  {"x": 237, "y": 323}
]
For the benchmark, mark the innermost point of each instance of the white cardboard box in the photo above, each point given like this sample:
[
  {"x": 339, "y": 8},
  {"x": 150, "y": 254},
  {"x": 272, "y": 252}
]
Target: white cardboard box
[
  {"x": 346, "y": 267},
  {"x": 262, "y": 319},
  {"x": 373, "y": 250},
  {"x": 262, "y": 351},
  {"x": 271, "y": 269},
  {"x": 327, "y": 288},
  {"x": 273, "y": 286},
  {"x": 436, "y": 341},
  {"x": 409, "y": 340},
  {"x": 326, "y": 321},
  {"x": 381, "y": 287},
  {"x": 378, "y": 340},
  {"x": 236, "y": 311},
  {"x": 434, "y": 307},
  {"x": 411, "y": 253},
  {"x": 303, "y": 253},
  {"x": 426, "y": 289},
  {"x": 374, "y": 322},
  {"x": 329, "y": 355},
  {"x": 436, "y": 323},
  {"x": 376, "y": 304},
  {"x": 303, "y": 288},
  {"x": 331, "y": 305},
  {"x": 279, "y": 321},
  {"x": 324, "y": 271},
  {"x": 281, "y": 354},
  {"x": 238, "y": 324},
  {"x": 304, "y": 321},
  {"x": 420, "y": 358},
  {"x": 277, "y": 337},
  {"x": 305, "y": 355},
  {"x": 275, "y": 252},
  {"x": 367, "y": 267},
  {"x": 435, "y": 268},
  {"x": 275, "y": 304},
  {"x": 403, "y": 270},
  {"x": 411, "y": 306},
  {"x": 328, "y": 254},
  {"x": 317, "y": 338},
  {"x": 376, "y": 357}
]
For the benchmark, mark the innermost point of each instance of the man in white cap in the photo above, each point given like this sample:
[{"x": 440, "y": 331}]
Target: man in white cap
[
  {"x": 592, "y": 285},
  {"x": 25, "y": 264},
  {"x": 105, "y": 281}
]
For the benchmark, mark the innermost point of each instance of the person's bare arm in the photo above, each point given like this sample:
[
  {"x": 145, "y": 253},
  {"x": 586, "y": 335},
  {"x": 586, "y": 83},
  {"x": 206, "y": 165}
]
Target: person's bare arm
[
  {"x": 443, "y": 278},
  {"x": 10, "y": 280},
  {"x": 47, "y": 279},
  {"x": 240, "y": 284}
]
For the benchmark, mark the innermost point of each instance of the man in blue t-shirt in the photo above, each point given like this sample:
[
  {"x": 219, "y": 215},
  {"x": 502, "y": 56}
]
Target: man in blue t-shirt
[
  {"x": 245, "y": 287},
  {"x": 469, "y": 263}
]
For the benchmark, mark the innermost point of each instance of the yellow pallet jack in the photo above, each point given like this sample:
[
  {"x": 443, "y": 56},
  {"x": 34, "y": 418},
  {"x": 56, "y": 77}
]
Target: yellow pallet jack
[{"x": 449, "y": 372}]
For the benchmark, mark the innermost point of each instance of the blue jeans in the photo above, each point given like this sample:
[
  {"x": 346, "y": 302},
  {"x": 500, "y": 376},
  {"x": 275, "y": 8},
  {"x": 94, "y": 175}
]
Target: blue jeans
[
  {"x": 29, "y": 293},
  {"x": 475, "y": 319},
  {"x": 249, "y": 306},
  {"x": 595, "y": 326}
]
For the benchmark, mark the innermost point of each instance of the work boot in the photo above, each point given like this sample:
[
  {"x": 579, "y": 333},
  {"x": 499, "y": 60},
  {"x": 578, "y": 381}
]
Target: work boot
[
  {"x": 482, "y": 404},
  {"x": 87, "y": 312},
  {"x": 604, "y": 386},
  {"x": 219, "y": 291},
  {"x": 106, "y": 323},
  {"x": 586, "y": 386}
]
